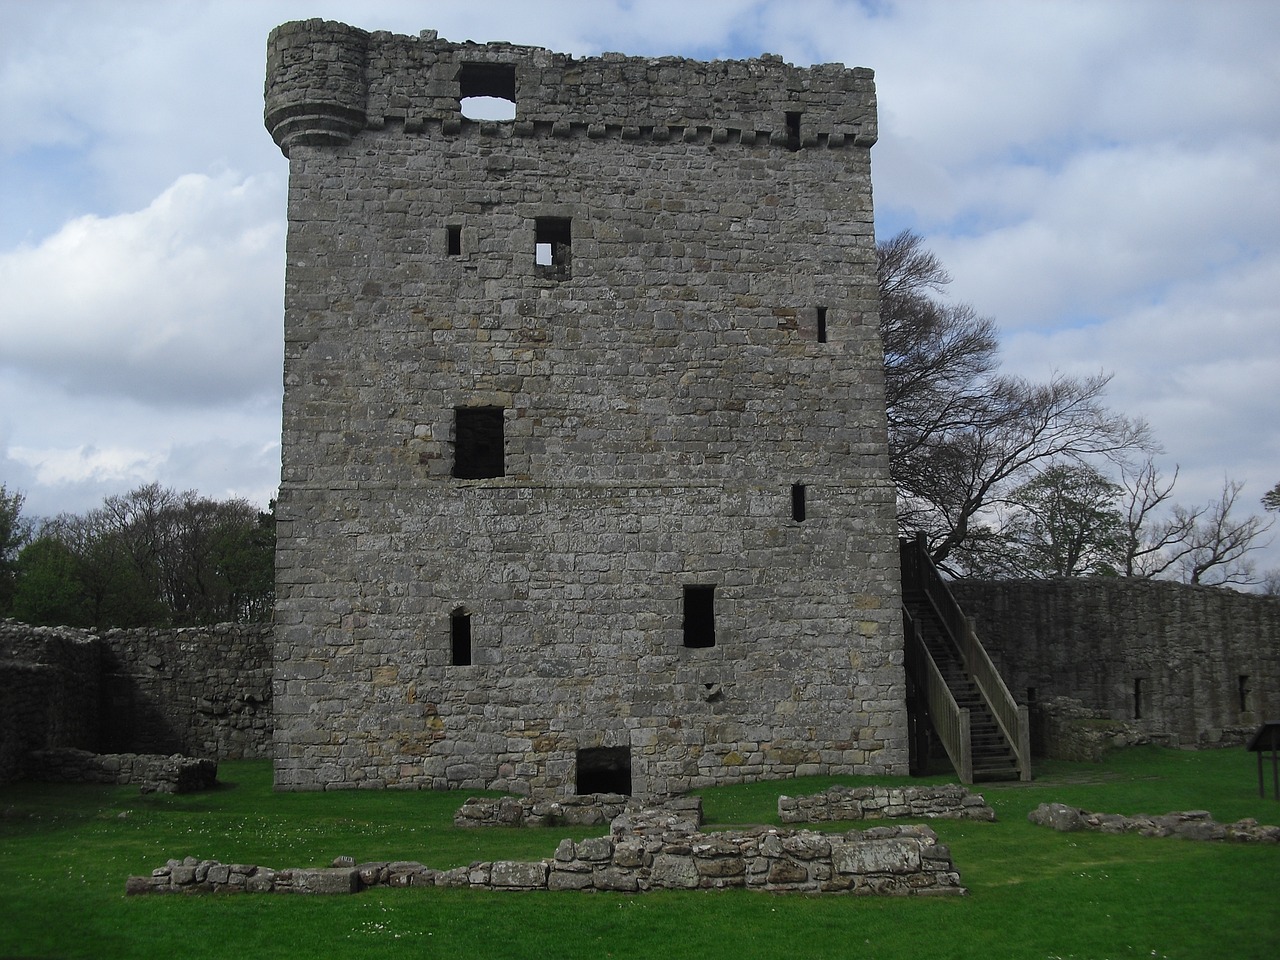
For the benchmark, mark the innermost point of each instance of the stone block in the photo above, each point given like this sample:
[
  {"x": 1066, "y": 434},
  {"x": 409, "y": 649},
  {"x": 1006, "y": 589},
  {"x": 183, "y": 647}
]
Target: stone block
[
  {"x": 326, "y": 880},
  {"x": 510, "y": 874},
  {"x": 893, "y": 856}
]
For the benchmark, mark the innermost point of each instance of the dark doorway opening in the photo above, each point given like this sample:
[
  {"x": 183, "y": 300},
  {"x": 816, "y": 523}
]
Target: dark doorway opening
[{"x": 604, "y": 770}]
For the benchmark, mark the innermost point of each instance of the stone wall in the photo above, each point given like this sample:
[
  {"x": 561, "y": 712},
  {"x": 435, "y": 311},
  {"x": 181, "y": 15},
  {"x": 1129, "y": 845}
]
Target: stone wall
[
  {"x": 894, "y": 861},
  {"x": 585, "y": 479},
  {"x": 1186, "y": 824},
  {"x": 952, "y": 802},
  {"x": 200, "y": 691},
  {"x": 152, "y": 773},
  {"x": 578, "y": 810},
  {"x": 1187, "y": 665}
]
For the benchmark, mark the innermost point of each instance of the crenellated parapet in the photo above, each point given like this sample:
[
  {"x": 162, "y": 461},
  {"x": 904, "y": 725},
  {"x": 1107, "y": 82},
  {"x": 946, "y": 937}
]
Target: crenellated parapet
[{"x": 327, "y": 81}]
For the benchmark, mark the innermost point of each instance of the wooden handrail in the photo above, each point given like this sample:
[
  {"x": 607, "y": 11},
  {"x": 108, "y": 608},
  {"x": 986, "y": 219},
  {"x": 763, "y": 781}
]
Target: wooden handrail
[
  {"x": 950, "y": 720},
  {"x": 920, "y": 574}
]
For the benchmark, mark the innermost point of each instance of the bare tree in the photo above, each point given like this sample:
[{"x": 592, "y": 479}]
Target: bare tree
[
  {"x": 1219, "y": 544},
  {"x": 960, "y": 434},
  {"x": 1154, "y": 540}
]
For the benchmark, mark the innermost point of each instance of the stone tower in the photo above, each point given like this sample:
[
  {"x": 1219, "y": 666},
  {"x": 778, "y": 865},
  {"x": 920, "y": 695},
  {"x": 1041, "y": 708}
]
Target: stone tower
[{"x": 585, "y": 480}]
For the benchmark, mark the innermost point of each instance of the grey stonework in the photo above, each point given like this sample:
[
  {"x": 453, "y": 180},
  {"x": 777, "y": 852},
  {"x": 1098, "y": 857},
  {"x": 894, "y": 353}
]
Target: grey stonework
[
  {"x": 1187, "y": 824},
  {"x": 198, "y": 691},
  {"x": 152, "y": 773},
  {"x": 1182, "y": 665},
  {"x": 702, "y": 343},
  {"x": 884, "y": 861},
  {"x": 950, "y": 802}
]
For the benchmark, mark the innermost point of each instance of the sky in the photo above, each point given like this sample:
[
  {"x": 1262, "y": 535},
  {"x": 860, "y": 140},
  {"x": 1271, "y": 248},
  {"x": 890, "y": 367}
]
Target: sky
[{"x": 1101, "y": 178}]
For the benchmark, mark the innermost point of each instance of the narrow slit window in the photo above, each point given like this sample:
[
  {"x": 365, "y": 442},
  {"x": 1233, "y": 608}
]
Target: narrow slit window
[
  {"x": 552, "y": 252},
  {"x": 487, "y": 91},
  {"x": 454, "y": 240},
  {"x": 822, "y": 324},
  {"x": 793, "y": 130},
  {"x": 460, "y": 638},
  {"x": 1242, "y": 689},
  {"x": 699, "y": 616},
  {"x": 797, "y": 502},
  {"x": 479, "y": 443},
  {"x": 1137, "y": 698}
]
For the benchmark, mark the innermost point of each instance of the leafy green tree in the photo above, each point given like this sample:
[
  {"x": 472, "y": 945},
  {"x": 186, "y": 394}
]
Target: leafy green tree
[
  {"x": 49, "y": 591},
  {"x": 1065, "y": 522},
  {"x": 1271, "y": 499},
  {"x": 153, "y": 557}
]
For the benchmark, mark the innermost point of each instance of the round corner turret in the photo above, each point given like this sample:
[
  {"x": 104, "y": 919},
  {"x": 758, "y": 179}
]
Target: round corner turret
[{"x": 316, "y": 88}]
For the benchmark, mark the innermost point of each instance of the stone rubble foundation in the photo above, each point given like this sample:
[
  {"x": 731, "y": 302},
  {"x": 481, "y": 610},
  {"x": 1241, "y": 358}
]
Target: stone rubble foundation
[
  {"x": 950, "y": 802},
  {"x": 151, "y": 772},
  {"x": 649, "y": 850},
  {"x": 1188, "y": 824}
]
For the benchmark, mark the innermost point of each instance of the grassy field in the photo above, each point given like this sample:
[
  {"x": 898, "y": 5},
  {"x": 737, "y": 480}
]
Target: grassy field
[{"x": 65, "y": 852}]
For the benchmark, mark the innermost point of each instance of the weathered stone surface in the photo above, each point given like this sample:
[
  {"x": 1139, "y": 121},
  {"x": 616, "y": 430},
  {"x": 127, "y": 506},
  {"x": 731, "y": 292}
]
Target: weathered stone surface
[
  {"x": 876, "y": 856},
  {"x": 697, "y": 352},
  {"x": 518, "y": 875},
  {"x": 1188, "y": 824},
  {"x": 326, "y": 880},
  {"x": 904, "y": 860},
  {"x": 1059, "y": 816},
  {"x": 873, "y": 803},
  {"x": 673, "y": 872},
  {"x": 1203, "y": 662}
]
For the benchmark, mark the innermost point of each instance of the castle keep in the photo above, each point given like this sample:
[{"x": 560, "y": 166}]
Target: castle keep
[{"x": 585, "y": 482}]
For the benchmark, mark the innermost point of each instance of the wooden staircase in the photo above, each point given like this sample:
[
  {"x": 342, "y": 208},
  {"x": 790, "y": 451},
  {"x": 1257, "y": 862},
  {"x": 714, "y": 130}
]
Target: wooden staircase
[{"x": 955, "y": 687}]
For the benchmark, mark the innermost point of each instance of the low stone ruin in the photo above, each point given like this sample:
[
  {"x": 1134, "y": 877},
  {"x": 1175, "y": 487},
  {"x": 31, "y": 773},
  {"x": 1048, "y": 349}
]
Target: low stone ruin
[
  {"x": 1188, "y": 824},
  {"x": 646, "y": 850},
  {"x": 151, "y": 772},
  {"x": 586, "y": 810},
  {"x": 951, "y": 802}
]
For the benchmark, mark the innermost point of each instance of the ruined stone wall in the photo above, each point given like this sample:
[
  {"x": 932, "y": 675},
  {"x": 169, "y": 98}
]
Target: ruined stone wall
[
  {"x": 1195, "y": 665},
  {"x": 688, "y": 394},
  {"x": 198, "y": 691}
]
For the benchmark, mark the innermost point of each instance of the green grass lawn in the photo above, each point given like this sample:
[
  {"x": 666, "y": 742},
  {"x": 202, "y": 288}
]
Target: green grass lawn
[{"x": 65, "y": 852}]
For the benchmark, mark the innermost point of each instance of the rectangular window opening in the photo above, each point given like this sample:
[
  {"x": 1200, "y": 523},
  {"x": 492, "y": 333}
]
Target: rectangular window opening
[
  {"x": 699, "y": 616},
  {"x": 454, "y": 241},
  {"x": 460, "y": 638},
  {"x": 1031, "y": 695},
  {"x": 822, "y": 324},
  {"x": 1137, "y": 698},
  {"x": 793, "y": 130},
  {"x": 604, "y": 770},
  {"x": 797, "y": 502},
  {"x": 478, "y": 450},
  {"x": 1242, "y": 690},
  {"x": 552, "y": 252},
  {"x": 487, "y": 91}
]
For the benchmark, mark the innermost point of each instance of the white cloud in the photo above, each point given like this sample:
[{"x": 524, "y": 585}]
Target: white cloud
[{"x": 178, "y": 303}]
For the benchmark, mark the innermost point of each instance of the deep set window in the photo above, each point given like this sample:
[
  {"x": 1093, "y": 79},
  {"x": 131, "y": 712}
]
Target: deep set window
[
  {"x": 552, "y": 251},
  {"x": 479, "y": 443},
  {"x": 460, "y": 638},
  {"x": 797, "y": 502},
  {"x": 699, "y": 616}
]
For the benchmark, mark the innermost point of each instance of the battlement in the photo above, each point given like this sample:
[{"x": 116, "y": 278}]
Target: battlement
[{"x": 327, "y": 81}]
